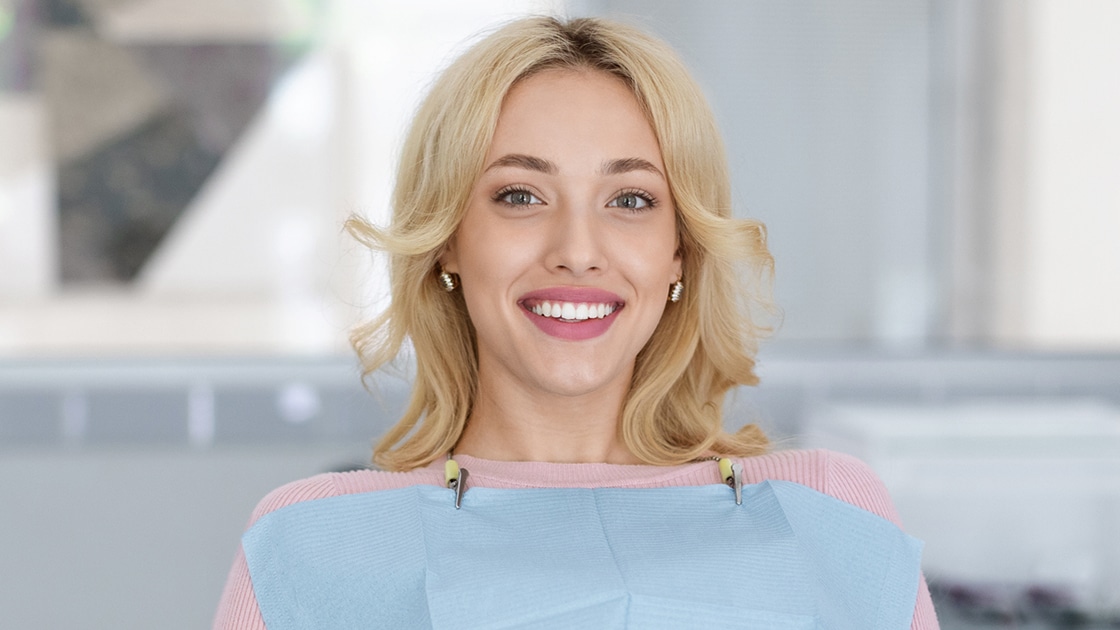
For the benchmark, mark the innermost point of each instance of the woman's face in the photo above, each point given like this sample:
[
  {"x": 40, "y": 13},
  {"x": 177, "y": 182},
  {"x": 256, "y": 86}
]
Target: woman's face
[{"x": 569, "y": 244}]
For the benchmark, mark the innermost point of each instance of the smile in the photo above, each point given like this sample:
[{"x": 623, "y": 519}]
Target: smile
[{"x": 572, "y": 311}]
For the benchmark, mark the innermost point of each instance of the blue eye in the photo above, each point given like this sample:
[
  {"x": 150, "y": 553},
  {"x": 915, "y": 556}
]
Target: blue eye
[
  {"x": 632, "y": 200},
  {"x": 517, "y": 197}
]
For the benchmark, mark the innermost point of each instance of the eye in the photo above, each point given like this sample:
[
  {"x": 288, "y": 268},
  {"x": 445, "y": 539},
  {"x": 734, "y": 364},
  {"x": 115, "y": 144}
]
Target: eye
[
  {"x": 633, "y": 200},
  {"x": 517, "y": 197}
]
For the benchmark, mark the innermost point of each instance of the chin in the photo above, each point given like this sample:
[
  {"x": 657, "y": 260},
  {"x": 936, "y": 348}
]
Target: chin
[{"x": 574, "y": 384}]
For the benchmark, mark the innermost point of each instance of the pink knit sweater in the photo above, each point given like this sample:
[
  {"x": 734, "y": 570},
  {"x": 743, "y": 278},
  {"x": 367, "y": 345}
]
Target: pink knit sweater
[{"x": 841, "y": 476}]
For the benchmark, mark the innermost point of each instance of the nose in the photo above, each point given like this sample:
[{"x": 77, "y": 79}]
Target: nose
[{"x": 576, "y": 242}]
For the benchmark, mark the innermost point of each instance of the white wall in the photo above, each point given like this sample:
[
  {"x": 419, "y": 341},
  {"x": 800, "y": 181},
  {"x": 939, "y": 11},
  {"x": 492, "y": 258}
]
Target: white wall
[{"x": 1072, "y": 267}]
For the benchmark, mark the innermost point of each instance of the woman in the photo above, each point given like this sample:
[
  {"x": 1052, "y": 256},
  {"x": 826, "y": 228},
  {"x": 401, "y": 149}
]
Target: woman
[{"x": 566, "y": 268}]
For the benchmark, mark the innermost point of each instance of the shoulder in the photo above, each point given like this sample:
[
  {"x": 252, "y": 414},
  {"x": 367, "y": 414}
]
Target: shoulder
[
  {"x": 328, "y": 485},
  {"x": 836, "y": 474}
]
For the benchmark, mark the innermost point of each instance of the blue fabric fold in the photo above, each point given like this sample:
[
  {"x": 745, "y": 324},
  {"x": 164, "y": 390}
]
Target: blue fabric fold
[{"x": 788, "y": 557}]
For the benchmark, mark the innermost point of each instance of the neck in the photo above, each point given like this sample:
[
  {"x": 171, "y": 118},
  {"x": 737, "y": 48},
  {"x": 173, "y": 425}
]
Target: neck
[{"x": 512, "y": 424}]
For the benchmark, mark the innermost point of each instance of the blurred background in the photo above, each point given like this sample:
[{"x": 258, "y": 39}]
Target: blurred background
[{"x": 939, "y": 178}]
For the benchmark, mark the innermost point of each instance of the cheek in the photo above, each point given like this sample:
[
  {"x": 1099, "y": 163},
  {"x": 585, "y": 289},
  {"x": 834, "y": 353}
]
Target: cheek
[
  {"x": 491, "y": 260},
  {"x": 476, "y": 239},
  {"x": 497, "y": 258},
  {"x": 652, "y": 256}
]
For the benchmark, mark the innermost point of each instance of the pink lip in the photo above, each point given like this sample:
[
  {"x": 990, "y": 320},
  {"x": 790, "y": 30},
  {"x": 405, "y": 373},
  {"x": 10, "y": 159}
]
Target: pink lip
[
  {"x": 570, "y": 294},
  {"x": 571, "y": 331}
]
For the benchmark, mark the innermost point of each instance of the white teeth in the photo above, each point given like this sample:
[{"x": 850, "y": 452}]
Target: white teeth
[{"x": 573, "y": 311}]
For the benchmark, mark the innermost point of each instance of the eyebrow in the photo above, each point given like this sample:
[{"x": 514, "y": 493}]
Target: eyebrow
[
  {"x": 618, "y": 167},
  {"x": 527, "y": 162},
  {"x": 609, "y": 167}
]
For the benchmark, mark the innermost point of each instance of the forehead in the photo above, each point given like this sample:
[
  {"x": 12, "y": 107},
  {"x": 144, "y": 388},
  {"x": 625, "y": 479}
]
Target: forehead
[{"x": 569, "y": 111}]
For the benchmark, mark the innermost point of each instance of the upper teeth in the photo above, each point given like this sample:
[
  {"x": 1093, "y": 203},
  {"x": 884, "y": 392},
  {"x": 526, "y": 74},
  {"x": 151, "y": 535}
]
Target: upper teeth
[{"x": 573, "y": 310}]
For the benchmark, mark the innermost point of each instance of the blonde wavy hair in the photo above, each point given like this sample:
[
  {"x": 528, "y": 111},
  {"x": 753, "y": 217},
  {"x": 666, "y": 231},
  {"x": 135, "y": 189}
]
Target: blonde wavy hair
[{"x": 703, "y": 346}]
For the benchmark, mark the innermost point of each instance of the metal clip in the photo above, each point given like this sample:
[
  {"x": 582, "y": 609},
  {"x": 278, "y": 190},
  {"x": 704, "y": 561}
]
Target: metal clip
[
  {"x": 737, "y": 472},
  {"x": 456, "y": 478},
  {"x": 732, "y": 475}
]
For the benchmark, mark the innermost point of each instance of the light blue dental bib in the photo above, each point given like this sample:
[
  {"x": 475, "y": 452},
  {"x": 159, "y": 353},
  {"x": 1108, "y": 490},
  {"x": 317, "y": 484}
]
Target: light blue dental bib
[{"x": 681, "y": 557}]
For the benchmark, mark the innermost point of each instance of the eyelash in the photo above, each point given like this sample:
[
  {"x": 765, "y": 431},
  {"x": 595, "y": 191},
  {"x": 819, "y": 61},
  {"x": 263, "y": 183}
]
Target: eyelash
[
  {"x": 500, "y": 196},
  {"x": 651, "y": 201}
]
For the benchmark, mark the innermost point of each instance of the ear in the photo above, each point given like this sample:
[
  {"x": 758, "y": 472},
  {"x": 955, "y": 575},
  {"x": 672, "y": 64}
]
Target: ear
[
  {"x": 448, "y": 257},
  {"x": 678, "y": 270}
]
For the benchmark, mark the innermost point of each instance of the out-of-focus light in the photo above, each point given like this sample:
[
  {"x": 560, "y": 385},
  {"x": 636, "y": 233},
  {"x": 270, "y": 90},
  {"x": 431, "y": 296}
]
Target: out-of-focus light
[
  {"x": 200, "y": 415},
  {"x": 298, "y": 403},
  {"x": 303, "y": 101},
  {"x": 7, "y": 21},
  {"x": 311, "y": 13}
]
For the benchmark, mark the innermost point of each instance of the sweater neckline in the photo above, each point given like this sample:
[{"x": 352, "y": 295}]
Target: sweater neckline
[{"x": 551, "y": 474}]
